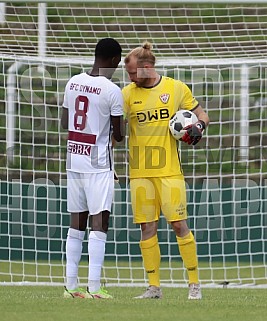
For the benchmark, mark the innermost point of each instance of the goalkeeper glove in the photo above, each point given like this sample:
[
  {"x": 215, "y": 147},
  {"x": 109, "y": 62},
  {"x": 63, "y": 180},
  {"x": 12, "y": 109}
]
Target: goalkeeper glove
[{"x": 193, "y": 133}]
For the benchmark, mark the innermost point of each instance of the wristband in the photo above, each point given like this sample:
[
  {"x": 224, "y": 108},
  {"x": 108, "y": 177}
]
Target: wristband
[{"x": 201, "y": 124}]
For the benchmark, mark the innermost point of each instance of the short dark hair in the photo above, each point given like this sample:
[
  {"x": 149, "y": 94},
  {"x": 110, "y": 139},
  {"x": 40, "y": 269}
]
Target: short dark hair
[{"x": 108, "y": 48}]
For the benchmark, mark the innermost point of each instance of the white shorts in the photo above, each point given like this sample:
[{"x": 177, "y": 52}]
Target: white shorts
[{"x": 91, "y": 192}]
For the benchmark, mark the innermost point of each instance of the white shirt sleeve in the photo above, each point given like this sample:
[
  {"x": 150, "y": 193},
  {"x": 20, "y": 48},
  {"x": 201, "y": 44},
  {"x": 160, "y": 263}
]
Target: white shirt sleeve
[
  {"x": 116, "y": 101},
  {"x": 66, "y": 94}
]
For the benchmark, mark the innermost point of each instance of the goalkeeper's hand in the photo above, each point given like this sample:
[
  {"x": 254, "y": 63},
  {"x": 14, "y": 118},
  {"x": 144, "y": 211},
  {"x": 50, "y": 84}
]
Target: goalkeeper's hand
[{"x": 193, "y": 133}]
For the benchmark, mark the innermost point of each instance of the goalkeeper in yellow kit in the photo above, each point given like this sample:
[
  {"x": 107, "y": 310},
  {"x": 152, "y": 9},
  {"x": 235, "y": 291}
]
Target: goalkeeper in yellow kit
[{"x": 156, "y": 178}]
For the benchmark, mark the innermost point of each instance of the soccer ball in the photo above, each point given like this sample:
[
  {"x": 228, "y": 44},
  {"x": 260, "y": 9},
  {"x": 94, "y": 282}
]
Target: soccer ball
[{"x": 180, "y": 120}]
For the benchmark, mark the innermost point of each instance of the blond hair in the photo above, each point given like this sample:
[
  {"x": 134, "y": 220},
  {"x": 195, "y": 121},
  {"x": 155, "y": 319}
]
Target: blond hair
[{"x": 143, "y": 54}]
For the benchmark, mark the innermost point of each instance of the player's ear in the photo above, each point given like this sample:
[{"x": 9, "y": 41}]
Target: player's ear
[{"x": 115, "y": 61}]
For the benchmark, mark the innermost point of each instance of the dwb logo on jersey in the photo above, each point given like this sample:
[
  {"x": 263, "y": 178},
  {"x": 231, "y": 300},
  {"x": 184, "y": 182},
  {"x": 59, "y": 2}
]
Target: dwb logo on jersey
[
  {"x": 152, "y": 115},
  {"x": 164, "y": 98}
]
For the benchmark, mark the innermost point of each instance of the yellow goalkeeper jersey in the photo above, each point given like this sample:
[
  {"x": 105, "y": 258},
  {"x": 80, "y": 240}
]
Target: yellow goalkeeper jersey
[{"x": 152, "y": 149}]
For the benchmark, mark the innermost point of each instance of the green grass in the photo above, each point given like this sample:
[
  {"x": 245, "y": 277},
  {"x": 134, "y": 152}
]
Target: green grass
[{"x": 22, "y": 303}]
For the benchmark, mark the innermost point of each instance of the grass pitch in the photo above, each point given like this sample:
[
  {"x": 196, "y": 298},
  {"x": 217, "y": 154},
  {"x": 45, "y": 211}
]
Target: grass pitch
[{"x": 26, "y": 303}]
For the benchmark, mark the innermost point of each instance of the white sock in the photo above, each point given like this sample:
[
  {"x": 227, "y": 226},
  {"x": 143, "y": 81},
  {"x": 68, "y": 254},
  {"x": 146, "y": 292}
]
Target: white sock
[
  {"x": 73, "y": 256},
  {"x": 96, "y": 250}
]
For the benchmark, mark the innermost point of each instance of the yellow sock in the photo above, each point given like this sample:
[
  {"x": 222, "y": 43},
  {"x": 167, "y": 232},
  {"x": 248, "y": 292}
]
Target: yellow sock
[
  {"x": 151, "y": 258},
  {"x": 188, "y": 251}
]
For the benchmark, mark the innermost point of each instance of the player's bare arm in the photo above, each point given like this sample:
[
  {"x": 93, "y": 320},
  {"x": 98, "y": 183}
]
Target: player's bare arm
[
  {"x": 118, "y": 132},
  {"x": 65, "y": 118},
  {"x": 201, "y": 115}
]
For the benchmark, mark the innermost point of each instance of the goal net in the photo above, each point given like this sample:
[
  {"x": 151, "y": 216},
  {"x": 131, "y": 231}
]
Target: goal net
[{"x": 220, "y": 51}]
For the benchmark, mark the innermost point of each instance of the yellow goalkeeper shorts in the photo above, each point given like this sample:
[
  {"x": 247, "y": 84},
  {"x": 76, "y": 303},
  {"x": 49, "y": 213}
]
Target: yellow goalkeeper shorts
[{"x": 151, "y": 196}]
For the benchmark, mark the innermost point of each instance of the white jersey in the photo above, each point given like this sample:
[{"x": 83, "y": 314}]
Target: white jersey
[{"x": 91, "y": 101}]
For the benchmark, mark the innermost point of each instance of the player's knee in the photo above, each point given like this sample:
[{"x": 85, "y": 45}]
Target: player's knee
[
  {"x": 105, "y": 226},
  {"x": 79, "y": 221},
  {"x": 180, "y": 227},
  {"x": 149, "y": 230},
  {"x": 100, "y": 222}
]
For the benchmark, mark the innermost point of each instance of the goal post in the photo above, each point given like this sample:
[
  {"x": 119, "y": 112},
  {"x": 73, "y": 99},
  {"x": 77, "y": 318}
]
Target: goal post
[{"x": 219, "y": 50}]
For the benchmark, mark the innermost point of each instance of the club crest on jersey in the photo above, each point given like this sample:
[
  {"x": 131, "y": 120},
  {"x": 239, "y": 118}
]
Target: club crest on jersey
[{"x": 164, "y": 98}]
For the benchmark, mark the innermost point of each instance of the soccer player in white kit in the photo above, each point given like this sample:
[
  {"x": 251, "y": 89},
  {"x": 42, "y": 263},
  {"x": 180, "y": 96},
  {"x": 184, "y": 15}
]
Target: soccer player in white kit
[{"x": 92, "y": 113}]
